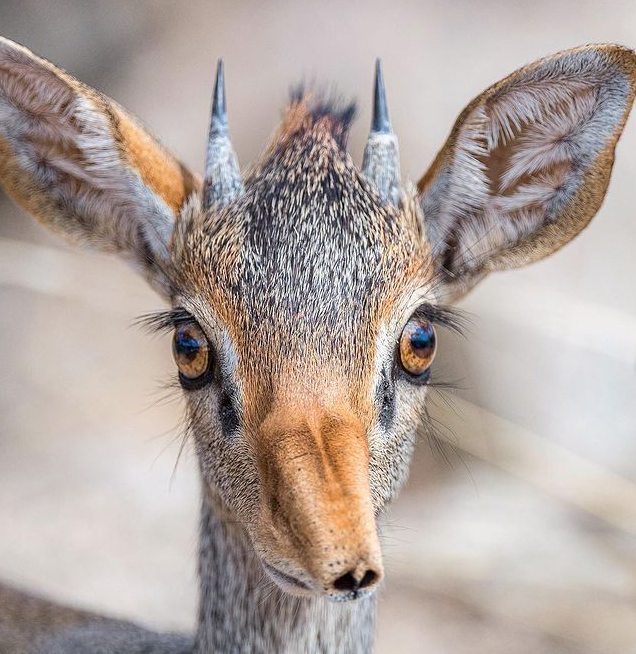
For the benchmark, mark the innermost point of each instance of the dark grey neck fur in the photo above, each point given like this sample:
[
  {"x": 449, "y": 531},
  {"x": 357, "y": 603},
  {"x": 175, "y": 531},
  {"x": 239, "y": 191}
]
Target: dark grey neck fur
[{"x": 242, "y": 611}]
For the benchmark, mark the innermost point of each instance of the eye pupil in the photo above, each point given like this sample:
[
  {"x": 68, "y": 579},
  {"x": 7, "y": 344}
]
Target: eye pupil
[
  {"x": 187, "y": 346},
  {"x": 422, "y": 337}
]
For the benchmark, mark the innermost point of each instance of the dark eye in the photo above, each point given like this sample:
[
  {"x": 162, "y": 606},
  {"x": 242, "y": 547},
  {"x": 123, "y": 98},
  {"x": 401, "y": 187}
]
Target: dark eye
[
  {"x": 191, "y": 353},
  {"x": 417, "y": 347}
]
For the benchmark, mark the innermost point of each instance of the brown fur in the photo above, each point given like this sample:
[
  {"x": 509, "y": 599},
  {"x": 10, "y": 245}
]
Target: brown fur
[
  {"x": 302, "y": 279},
  {"x": 316, "y": 501}
]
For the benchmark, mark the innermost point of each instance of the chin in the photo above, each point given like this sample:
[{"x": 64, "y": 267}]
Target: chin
[{"x": 288, "y": 583}]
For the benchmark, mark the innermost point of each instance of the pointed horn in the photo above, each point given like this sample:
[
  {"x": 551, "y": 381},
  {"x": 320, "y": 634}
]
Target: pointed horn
[
  {"x": 222, "y": 182},
  {"x": 381, "y": 162},
  {"x": 380, "y": 123},
  {"x": 218, "y": 120}
]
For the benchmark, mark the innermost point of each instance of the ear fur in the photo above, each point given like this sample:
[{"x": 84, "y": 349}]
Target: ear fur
[
  {"x": 84, "y": 167},
  {"x": 527, "y": 164}
]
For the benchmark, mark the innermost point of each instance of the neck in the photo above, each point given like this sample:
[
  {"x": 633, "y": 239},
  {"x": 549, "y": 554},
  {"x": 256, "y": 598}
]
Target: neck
[{"x": 241, "y": 611}]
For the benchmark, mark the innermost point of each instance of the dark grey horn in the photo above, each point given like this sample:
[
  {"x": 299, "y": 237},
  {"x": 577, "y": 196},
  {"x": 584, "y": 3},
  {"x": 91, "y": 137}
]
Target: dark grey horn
[
  {"x": 381, "y": 162},
  {"x": 222, "y": 182}
]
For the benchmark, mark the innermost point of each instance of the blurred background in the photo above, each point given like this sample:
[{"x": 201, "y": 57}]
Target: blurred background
[{"x": 518, "y": 533}]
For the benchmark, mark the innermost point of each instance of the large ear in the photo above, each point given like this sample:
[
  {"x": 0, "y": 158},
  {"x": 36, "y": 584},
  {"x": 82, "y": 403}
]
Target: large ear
[
  {"x": 527, "y": 164},
  {"x": 84, "y": 167}
]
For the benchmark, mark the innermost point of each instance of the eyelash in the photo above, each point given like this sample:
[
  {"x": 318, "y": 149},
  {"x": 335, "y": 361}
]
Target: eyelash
[
  {"x": 167, "y": 321},
  {"x": 451, "y": 318},
  {"x": 164, "y": 321}
]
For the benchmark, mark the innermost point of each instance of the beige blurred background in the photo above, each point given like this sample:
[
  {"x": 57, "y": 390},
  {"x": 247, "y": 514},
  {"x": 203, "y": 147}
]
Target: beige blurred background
[{"x": 521, "y": 536}]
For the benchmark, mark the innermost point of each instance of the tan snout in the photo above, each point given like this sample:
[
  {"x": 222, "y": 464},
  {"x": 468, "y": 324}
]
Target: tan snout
[{"x": 317, "y": 518}]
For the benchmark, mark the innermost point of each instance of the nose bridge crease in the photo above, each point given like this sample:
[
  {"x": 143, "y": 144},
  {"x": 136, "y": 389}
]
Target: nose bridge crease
[{"x": 323, "y": 434}]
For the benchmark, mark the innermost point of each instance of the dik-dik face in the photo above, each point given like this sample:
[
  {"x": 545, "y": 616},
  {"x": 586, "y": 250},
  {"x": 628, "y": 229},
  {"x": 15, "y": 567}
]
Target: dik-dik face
[
  {"x": 304, "y": 334},
  {"x": 305, "y": 299}
]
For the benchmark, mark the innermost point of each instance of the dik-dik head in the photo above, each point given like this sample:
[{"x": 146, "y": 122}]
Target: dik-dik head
[{"x": 305, "y": 297}]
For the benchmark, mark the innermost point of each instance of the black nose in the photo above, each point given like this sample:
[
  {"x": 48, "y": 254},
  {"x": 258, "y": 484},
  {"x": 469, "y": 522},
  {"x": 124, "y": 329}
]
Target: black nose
[{"x": 349, "y": 582}]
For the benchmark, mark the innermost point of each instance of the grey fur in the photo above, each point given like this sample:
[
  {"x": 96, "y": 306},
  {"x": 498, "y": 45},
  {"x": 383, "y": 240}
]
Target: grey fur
[
  {"x": 115, "y": 638},
  {"x": 241, "y": 610},
  {"x": 31, "y": 625}
]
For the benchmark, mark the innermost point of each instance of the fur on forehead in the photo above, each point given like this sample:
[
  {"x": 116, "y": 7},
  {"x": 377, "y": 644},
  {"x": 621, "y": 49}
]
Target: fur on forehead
[{"x": 307, "y": 226}]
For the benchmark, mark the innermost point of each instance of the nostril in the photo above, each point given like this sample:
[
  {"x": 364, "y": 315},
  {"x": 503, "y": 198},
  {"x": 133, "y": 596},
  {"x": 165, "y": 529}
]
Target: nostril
[
  {"x": 348, "y": 582},
  {"x": 369, "y": 578}
]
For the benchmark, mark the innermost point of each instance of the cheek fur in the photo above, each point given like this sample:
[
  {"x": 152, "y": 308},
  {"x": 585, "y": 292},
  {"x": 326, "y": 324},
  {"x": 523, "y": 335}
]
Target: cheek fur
[
  {"x": 390, "y": 449},
  {"x": 227, "y": 466}
]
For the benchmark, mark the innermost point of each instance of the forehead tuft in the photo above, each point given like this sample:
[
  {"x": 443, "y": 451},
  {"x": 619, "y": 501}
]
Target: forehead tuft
[{"x": 309, "y": 110}]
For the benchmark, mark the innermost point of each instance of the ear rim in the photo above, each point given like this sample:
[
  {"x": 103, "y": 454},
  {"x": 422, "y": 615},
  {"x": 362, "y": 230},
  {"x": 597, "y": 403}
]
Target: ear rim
[
  {"x": 585, "y": 202},
  {"x": 159, "y": 183}
]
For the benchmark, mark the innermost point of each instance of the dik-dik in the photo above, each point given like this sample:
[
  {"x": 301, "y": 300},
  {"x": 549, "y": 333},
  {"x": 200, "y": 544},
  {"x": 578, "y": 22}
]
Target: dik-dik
[{"x": 304, "y": 302}]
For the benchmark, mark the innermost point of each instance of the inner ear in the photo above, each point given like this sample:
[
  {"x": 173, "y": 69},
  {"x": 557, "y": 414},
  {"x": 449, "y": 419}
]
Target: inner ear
[
  {"x": 529, "y": 155},
  {"x": 518, "y": 148}
]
